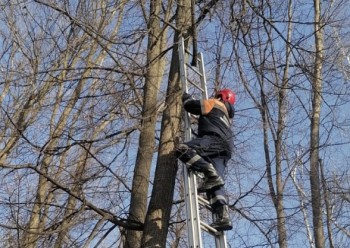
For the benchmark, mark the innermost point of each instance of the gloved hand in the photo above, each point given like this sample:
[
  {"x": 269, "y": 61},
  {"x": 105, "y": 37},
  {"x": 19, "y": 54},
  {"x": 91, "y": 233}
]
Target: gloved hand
[{"x": 186, "y": 96}]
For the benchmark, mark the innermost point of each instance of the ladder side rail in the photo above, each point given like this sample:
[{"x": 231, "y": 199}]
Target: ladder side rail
[
  {"x": 203, "y": 78},
  {"x": 192, "y": 219},
  {"x": 183, "y": 78},
  {"x": 191, "y": 200},
  {"x": 220, "y": 241}
]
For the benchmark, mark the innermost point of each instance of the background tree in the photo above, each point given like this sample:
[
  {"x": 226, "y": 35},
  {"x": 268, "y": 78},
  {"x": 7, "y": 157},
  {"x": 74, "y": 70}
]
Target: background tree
[
  {"x": 155, "y": 67},
  {"x": 159, "y": 210},
  {"x": 315, "y": 129},
  {"x": 69, "y": 116},
  {"x": 258, "y": 35}
]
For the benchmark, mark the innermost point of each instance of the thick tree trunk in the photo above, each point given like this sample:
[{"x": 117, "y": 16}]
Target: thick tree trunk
[
  {"x": 155, "y": 70},
  {"x": 156, "y": 225},
  {"x": 158, "y": 215}
]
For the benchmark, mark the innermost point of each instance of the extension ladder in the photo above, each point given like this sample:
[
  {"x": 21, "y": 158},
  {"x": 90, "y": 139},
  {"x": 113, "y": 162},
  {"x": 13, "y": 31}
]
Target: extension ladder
[{"x": 193, "y": 200}]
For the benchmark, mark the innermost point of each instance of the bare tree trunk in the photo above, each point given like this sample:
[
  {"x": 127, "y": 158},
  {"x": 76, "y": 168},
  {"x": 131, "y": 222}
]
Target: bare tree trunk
[
  {"x": 275, "y": 183},
  {"x": 302, "y": 198},
  {"x": 282, "y": 105},
  {"x": 158, "y": 215},
  {"x": 155, "y": 71},
  {"x": 315, "y": 129},
  {"x": 328, "y": 206}
]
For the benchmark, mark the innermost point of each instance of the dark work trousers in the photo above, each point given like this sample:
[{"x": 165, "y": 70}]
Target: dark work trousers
[
  {"x": 217, "y": 196},
  {"x": 198, "y": 153}
]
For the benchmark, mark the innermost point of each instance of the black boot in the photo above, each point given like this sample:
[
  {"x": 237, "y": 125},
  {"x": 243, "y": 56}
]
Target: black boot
[
  {"x": 222, "y": 221},
  {"x": 212, "y": 180}
]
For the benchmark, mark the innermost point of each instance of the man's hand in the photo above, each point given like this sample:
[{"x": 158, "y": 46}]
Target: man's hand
[{"x": 186, "y": 96}]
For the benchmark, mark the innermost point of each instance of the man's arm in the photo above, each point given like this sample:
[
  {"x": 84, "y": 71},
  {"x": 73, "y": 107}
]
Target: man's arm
[
  {"x": 190, "y": 105},
  {"x": 197, "y": 107}
]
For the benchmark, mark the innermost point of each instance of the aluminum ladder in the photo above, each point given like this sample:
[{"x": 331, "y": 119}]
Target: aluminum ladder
[{"x": 193, "y": 200}]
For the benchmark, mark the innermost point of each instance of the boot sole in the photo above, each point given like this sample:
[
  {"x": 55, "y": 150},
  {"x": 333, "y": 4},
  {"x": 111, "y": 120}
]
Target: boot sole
[
  {"x": 205, "y": 189},
  {"x": 224, "y": 228}
]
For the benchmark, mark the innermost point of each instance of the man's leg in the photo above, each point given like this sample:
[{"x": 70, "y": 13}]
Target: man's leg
[
  {"x": 218, "y": 200},
  {"x": 219, "y": 165},
  {"x": 194, "y": 161}
]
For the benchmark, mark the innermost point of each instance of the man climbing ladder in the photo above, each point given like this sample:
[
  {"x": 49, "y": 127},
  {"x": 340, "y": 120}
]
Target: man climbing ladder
[{"x": 211, "y": 150}]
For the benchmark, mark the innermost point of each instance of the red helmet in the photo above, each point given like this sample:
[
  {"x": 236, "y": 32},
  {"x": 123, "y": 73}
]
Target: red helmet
[{"x": 227, "y": 96}]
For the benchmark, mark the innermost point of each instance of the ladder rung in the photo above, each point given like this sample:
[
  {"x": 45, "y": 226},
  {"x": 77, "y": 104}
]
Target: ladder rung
[
  {"x": 204, "y": 202},
  {"x": 209, "y": 229},
  {"x": 190, "y": 53},
  {"x": 195, "y": 85},
  {"x": 194, "y": 69}
]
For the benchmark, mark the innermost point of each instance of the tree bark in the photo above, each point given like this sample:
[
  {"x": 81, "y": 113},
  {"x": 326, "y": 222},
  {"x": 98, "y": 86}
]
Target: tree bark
[
  {"x": 158, "y": 215},
  {"x": 315, "y": 130},
  {"x": 282, "y": 112},
  {"x": 155, "y": 70}
]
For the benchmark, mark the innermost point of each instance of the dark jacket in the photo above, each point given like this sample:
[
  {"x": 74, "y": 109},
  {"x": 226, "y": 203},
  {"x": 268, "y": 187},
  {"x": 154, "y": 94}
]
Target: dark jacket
[{"x": 214, "y": 118}]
